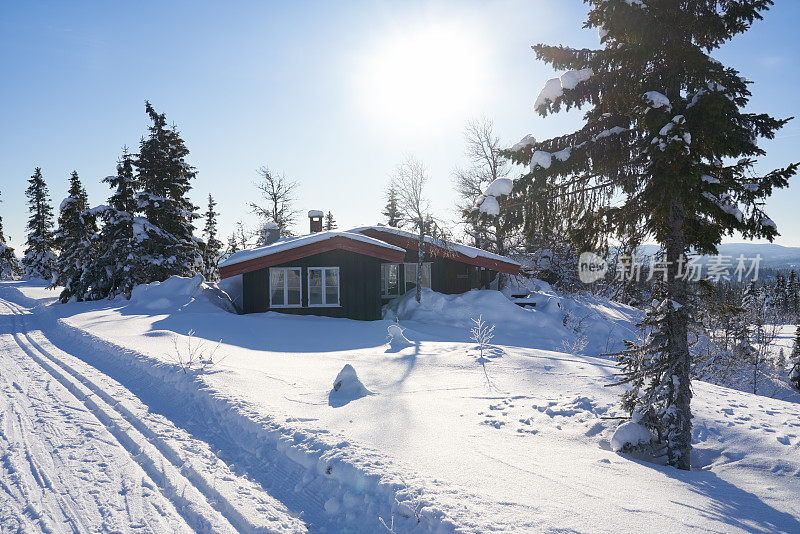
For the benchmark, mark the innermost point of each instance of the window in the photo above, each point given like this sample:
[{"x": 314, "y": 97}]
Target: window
[
  {"x": 285, "y": 287},
  {"x": 323, "y": 286},
  {"x": 411, "y": 275},
  {"x": 390, "y": 278}
]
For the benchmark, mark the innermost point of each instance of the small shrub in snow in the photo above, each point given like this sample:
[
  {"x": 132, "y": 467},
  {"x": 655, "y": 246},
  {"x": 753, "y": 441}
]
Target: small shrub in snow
[
  {"x": 482, "y": 334},
  {"x": 195, "y": 356},
  {"x": 409, "y": 508}
]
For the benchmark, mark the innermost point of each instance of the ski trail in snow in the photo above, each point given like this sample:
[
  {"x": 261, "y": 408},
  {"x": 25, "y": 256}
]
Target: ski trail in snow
[
  {"x": 57, "y": 470},
  {"x": 200, "y": 487}
]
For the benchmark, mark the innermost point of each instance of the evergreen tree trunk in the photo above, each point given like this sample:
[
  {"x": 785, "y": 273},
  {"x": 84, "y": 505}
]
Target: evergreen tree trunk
[{"x": 679, "y": 436}]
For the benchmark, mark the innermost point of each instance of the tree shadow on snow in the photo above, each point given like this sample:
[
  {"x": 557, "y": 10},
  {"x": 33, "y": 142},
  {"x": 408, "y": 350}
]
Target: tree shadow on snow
[{"x": 728, "y": 503}]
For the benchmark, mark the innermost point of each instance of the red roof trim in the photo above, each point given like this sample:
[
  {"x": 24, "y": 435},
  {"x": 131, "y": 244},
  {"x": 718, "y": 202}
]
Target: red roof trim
[
  {"x": 411, "y": 244},
  {"x": 334, "y": 243}
]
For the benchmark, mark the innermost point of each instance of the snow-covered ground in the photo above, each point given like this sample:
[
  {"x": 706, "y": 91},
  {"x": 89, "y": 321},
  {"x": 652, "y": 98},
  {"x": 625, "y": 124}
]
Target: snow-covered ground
[{"x": 436, "y": 441}]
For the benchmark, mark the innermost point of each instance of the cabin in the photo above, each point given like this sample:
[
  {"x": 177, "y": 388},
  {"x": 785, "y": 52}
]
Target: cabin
[{"x": 354, "y": 273}]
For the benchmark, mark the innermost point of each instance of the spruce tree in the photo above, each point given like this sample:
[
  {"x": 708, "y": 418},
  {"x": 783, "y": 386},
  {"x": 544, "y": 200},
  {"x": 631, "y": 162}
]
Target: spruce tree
[
  {"x": 164, "y": 242},
  {"x": 117, "y": 270},
  {"x": 794, "y": 373},
  {"x": 392, "y": 212},
  {"x": 39, "y": 259},
  {"x": 330, "y": 223},
  {"x": 9, "y": 266},
  {"x": 212, "y": 247},
  {"x": 665, "y": 147},
  {"x": 76, "y": 239}
]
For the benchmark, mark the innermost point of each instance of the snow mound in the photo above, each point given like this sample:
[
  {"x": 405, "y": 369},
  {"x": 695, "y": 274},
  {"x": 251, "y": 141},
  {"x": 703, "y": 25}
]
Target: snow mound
[
  {"x": 459, "y": 309},
  {"x": 629, "y": 434},
  {"x": 347, "y": 387},
  {"x": 396, "y": 337},
  {"x": 178, "y": 292}
]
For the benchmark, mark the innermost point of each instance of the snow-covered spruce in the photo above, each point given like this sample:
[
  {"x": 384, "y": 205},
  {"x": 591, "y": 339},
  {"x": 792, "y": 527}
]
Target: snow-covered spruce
[
  {"x": 653, "y": 158},
  {"x": 9, "y": 266},
  {"x": 39, "y": 259},
  {"x": 164, "y": 244},
  {"x": 76, "y": 238}
]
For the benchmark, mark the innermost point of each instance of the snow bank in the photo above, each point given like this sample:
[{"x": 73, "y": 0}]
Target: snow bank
[
  {"x": 178, "y": 292},
  {"x": 629, "y": 434},
  {"x": 459, "y": 310}
]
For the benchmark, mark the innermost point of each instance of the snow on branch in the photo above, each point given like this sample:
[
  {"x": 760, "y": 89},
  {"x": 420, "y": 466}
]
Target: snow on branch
[
  {"x": 657, "y": 100},
  {"x": 554, "y": 87}
]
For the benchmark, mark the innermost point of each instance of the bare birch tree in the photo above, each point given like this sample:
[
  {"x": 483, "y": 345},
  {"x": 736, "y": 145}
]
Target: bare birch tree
[
  {"x": 278, "y": 192},
  {"x": 409, "y": 181},
  {"x": 487, "y": 165}
]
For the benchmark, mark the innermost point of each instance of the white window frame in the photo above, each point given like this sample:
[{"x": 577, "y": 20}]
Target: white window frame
[
  {"x": 402, "y": 290},
  {"x": 285, "y": 287},
  {"x": 385, "y": 281},
  {"x": 324, "y": 293}
]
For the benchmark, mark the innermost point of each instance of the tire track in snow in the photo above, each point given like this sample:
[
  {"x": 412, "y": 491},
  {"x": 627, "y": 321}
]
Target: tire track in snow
[{"x": 244, "y": 504}]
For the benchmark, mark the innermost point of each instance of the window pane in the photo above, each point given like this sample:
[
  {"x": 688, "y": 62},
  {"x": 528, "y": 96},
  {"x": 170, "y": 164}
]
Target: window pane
[
  {"x": 331, "y": 296},
  {"x": 293, "y": 297},
  {"x": 277, "y": 297},
  {"x": 331, "y": 277},
  {"x": 426, "y": 275},
  {"x": 315, "y": 277},
  {"x": 392, "y": 286},
  {"x": 276, "y": 278},
  {"x": 293, "y": 278},
  {"x": 315, "y": 295},
  {"x": 411, "y": 276}
]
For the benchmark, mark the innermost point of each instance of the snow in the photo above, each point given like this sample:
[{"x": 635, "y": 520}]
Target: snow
[
  {"x": 563, "y": 155},
  {"x": 709, "y": 179},
  {"x": 541, "y": 159},
  {"x": 315, "y": 213},
  {"x": 657, "y": 100},
  {"x": 466, "y": 250},
  {"x": 347, "y": 387},
  {"x": 554, "y": 87},
  {"x": 520, "y": 443},
  {"x": 500, "y": 186},
  {"x": 523, "y": 143},
  {"x": 571, "y": 79},
  {"x": 766, "y": 221},
  {"x": 289, "y": 243},
  {"x": 550, "y": 93},
  {"x": 490, "y": 206},
  {"x": 629, "y": 434}
]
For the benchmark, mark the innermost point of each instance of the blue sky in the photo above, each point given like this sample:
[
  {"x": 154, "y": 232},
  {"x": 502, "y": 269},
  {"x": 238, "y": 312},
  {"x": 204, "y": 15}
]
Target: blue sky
[{"x": 332, "y": 94}]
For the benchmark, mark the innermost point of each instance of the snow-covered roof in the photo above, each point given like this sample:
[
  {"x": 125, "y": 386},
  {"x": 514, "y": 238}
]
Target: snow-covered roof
[
  {"x": 315, "y": 213},
  {"x": 466, "y": 250},
  {"x": 288, "y": 243}
]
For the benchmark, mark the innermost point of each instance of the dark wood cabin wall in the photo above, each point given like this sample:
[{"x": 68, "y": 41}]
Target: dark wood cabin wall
[
  {"x": 450, "y": 276},
  {"x": 359, "y": 286}
]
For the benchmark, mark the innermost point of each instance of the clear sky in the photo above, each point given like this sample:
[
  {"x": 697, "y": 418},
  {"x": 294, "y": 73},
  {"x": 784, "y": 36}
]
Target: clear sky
[{"x": 333, "y": 94}]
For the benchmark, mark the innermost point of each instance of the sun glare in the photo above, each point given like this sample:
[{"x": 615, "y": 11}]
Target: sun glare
[{"x": 423, "y": 79}]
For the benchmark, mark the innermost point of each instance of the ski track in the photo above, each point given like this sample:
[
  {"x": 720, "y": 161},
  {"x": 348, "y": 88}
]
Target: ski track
[{"x": 65, "y": 427}]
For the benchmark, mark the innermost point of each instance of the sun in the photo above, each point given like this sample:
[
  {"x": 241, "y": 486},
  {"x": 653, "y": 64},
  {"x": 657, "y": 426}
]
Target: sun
[{"x": 423, "y": 79}]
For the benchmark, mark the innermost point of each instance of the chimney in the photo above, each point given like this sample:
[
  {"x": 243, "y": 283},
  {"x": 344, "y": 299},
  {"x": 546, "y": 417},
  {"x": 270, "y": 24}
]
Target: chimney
[
  {"x": 271, "y": 233},
  {"x": 315, "y": 220}
]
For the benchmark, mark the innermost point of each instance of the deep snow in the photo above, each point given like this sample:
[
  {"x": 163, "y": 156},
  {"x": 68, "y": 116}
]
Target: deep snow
[{"x": 520, "y": 442}]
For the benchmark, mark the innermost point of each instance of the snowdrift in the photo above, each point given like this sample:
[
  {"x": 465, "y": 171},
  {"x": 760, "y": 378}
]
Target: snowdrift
[
  {"x": 177, "y": 293},
  {"x": 578, "y": 323}
]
